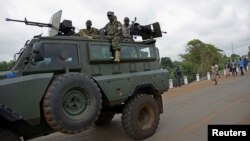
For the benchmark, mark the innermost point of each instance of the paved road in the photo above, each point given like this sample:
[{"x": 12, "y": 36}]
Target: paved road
[{"x": 187, "y": 112}]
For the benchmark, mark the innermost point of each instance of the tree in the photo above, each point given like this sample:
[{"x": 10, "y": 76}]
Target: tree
[
  {"x": 166, "y": 63},
  {"x": 200, "y": 56},
  {"x": 235, "y": 56},
  {"x": 5, "y": 66}
]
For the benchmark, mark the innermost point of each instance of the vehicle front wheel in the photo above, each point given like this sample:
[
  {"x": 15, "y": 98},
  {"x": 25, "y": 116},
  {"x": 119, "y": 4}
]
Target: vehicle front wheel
[
  {"x": 72, "y": 103},
  {"x": 140, "y": 116}
]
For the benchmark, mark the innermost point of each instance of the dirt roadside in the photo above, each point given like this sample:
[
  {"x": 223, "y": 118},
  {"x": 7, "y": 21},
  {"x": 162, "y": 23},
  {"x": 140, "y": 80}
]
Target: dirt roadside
[{"x": 194, "y": 86}]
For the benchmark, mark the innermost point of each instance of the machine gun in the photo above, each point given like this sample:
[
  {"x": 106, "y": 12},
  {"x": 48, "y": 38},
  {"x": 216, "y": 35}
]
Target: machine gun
[
  {"x": 30, "y": 23},
  {"x": 64, "y": 28},
  {"x": 146, "y": 31}
]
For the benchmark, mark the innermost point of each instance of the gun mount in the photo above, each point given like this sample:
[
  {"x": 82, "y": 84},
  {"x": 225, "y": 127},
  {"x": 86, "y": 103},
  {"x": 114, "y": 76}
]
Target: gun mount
[
  {"x": 147, "y": 31},
  {"x": 66, "y": 28}
]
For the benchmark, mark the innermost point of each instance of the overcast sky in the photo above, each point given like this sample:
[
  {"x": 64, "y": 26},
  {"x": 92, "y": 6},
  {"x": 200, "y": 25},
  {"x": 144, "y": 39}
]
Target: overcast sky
[{"x": 223, "y": 23}]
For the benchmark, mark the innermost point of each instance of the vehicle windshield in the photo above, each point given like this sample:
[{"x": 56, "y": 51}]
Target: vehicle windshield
[
  {"x": 19, "y": 54},
  {"x": 21, "y": 58}
]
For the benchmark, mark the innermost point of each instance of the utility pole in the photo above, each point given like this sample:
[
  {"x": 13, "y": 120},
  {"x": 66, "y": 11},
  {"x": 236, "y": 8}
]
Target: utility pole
[
  {"x": 232, "y": 48},
  {"x": 249, "y": 52}
]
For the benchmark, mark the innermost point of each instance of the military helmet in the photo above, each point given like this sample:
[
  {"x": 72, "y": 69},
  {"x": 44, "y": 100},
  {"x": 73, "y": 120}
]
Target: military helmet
[{"x": 110, "y": 13}]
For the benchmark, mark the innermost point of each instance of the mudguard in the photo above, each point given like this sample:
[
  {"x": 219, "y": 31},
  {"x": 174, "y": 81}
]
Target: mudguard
[{"x": 23, "y": 95}]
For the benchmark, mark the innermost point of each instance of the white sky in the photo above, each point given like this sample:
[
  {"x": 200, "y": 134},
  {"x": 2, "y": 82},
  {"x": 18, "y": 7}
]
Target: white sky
[{"x": 224, "y": 23}]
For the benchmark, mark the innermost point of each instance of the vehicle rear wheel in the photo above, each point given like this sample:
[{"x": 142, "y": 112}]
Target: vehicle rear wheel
[
  {"x": 6, "y": 135},
  {"x": 140, "y": 116},
  {"x": 104, "y": 118},
  {"x": 72, "y": 103}
]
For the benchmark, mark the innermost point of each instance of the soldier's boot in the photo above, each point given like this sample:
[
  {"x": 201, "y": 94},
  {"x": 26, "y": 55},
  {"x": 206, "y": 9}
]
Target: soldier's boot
[{"x": 117, "y": 56}]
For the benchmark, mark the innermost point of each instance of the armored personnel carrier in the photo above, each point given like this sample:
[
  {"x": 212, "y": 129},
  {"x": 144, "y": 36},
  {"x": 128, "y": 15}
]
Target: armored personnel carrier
[{"x": 65, "y": 83}]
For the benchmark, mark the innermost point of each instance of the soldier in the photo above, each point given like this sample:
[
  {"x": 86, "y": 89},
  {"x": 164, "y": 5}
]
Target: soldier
[
  {"x": 115, "y": 17},
  {"x": 89, "y": 32},
  {"x": 114, "y": 31},
  {"x": 126, "y": 30}
]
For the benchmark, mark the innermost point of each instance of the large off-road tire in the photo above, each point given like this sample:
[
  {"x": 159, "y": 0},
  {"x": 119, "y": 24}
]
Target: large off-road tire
[
  {"x": 140, "y": 116},
  {"x": 6, "y": 135},
  {"x": 104, "y": 118},
  {"x": 72, "y": 103}
]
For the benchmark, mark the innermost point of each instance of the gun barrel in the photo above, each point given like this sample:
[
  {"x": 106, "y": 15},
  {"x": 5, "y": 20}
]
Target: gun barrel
[
  {"x": 30, "y": 23},
  {"x": 12, "y": 20}
]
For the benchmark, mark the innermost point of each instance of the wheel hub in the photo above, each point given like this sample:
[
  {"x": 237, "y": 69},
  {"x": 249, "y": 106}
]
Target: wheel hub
[
  {"x": 146, "y": 117},
  {"x": 75, "y": 102}
]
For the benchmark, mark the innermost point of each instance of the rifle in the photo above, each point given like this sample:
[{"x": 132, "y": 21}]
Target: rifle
[{"x": 30, "y": 23}]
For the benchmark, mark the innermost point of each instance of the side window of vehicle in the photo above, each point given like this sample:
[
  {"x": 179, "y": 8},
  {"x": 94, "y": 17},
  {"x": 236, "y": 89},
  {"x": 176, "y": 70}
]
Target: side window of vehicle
[
  {"x": 146, "y": 52},
  {"x": 60, "y": 54},
  {"x": 157, "y": 54},
  {"x": 99, "y": 51},
  {"x": 128, "y": 52}
]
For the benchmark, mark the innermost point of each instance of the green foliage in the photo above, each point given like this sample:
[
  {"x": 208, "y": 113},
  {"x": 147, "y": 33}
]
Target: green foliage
[
  {"x": 166, "y": 63},
  {"x": 222, "y": 62},
  {"x": 234, "y": 57},
  {"x": 5, "y": 66},
  {"x": 200, "y": 56}
]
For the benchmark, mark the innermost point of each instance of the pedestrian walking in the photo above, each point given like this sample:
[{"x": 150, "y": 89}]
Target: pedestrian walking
[
  {"x": 228, "y": 67},
  {"x": 178, "y": 76},
  {"x": 234, "y": 66},
  {"x": 245, "y": 60},
  {"x": 241, "y": 65},
  {"x": 214, "y": 70}
]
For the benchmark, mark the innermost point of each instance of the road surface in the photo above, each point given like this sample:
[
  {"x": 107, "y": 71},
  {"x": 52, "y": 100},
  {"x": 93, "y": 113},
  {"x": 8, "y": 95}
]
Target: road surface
[{"x": 187, "y": 112}]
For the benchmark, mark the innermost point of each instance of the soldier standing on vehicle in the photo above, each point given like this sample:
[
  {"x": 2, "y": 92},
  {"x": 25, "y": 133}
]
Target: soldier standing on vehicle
[
  {"x": 89, "y": 32},
  {"x": 126, "y": 30},
  {"x": 114, "y": 32}
]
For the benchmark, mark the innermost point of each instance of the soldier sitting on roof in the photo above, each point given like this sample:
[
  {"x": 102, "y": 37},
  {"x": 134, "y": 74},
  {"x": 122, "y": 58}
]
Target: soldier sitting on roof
[
  {"x": 113, "y": 30},
  {"x": 126, "y": 30},
  {"x": 89, "y": 32}
]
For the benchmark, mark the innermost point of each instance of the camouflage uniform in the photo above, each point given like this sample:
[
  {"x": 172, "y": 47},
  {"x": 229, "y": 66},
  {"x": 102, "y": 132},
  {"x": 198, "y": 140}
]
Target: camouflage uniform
[
  {"x": 89, "y": 32},
  {"x": 111, "y": 31}
]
